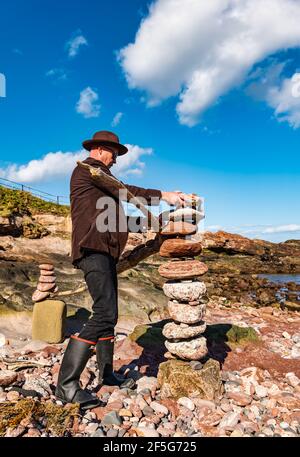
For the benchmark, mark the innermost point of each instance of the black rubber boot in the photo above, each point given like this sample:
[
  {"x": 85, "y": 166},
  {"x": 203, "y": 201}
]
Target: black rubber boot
[
  {"x": 105, "y": 353},
  {"x": 68, "y": 389}
]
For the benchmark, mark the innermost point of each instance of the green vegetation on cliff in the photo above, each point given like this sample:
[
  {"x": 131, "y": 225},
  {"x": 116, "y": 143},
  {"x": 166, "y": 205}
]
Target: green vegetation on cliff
[{"x": 19, "y": 202}]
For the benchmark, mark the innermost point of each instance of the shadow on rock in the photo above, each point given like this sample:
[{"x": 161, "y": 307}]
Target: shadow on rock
[{"x": 75, "y": 323}]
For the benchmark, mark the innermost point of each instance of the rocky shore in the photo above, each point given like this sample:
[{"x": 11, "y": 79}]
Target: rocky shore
[
  {"x": 258, "y": 351},
  {"x": 252, "y": 332}
]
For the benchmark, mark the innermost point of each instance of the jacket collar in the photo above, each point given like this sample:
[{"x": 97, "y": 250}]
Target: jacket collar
[{"x": 96, "y": 163}]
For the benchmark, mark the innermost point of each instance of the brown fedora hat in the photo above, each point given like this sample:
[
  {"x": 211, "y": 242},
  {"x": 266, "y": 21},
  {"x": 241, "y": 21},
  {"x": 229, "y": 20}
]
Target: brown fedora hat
[{"x": 105, "y": 138}]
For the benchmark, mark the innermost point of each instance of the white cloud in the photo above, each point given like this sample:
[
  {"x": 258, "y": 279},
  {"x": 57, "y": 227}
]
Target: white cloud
[
  {"x": 117, "y": 118},
  {"x": 59, "y": 165},
  {"x": 74, "y": 44},
  {"x": 200, "y": 50},
  {"x": 130, "y": 163},
  {"x": 289, "y": 228},
  {"x": 285, "y": 102},
  {"x": 54, "y": 165},
  {"x": 256, "y": 231},
  {"x": 57, "y": 73},
  {"x": 86, "y": 104}
]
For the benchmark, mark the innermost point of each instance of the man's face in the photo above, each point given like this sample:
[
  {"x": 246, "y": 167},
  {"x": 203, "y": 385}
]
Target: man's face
[{"x": 108, "y": 155}]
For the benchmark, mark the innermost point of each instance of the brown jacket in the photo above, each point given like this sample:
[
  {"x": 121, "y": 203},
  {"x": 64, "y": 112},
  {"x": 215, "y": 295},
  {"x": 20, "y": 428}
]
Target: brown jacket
[{"x": 84, "y": 193}]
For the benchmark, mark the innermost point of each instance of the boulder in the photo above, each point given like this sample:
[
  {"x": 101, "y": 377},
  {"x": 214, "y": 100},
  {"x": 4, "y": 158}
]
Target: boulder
[
  {"x": 178, "y": 229},
  {"x": 48, "y": 321},
  {"x": 193, "y": 349},
  {"x": 182, "y": 269},
  {"x": 184, "y": 291},
  {"x": 177, "y": 379},
  {"x": 183, "y": 331},
  {"x": 186, "y": 314},
  {"x": 179, "y": 247}
]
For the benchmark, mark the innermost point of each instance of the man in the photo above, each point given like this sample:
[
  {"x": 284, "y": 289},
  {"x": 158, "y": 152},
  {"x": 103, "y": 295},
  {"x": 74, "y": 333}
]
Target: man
[{"x": 96, "y": 253}]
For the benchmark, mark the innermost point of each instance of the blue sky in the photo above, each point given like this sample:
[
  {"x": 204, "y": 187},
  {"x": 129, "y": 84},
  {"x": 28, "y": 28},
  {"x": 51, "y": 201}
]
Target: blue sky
[{"x": 197, "y": 120}]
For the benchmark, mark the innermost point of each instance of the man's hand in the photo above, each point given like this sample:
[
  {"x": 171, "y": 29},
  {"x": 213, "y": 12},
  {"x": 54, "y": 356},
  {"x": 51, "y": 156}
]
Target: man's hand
[{"x": 176, "y": 198}]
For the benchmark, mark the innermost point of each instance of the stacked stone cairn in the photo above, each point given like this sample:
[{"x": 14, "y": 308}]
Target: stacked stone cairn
[
  {"x": 46, "y": 284},
  {"x": 184, "y": 289},
  {"x": 49, "y": 316}
]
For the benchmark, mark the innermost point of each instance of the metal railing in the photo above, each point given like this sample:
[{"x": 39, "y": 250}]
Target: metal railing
[{"x": 58, "y": 199}]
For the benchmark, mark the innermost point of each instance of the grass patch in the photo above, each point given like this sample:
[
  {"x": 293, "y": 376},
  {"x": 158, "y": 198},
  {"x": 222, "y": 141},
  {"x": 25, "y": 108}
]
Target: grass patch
[{"x": 18, "y": 202}]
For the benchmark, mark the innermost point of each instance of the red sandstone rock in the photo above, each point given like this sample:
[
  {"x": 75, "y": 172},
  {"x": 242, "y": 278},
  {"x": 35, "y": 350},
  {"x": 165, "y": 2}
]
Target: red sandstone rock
[
  {"x": 179, "y": 228},
  {"x": 46, "y": 272},
  {"x": 182, "y": 269},
  {"x": 47, "y": 279},
  {"x": 46, "y": 266},
  {"x": 179, "y": 247},
  {"x": 44, "y": 287}
]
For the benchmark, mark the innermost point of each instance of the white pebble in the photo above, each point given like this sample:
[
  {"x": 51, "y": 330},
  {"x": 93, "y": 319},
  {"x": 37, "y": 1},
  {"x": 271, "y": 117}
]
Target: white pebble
[{"x": 187, "y": 402}]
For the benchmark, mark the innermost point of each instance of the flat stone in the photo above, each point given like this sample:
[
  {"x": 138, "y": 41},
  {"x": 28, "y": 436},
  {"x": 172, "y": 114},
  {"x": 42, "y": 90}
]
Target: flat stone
[
  {"x": 292, "y": 379},
  {"x": 147, "y": 382},
  {"x": 146, "y": 432},
  {"x": 186, "y": 214},
  {"x": 39, "y": 296},
  {"x": 187, "y": 402},
  {"x": 177, "y": 379},
  {"x": 158, "y": 408},
  {"x": 186, "y": 314},
  {"x": 240, "y": 398},
  {"x": 183, "y": 331},
  {"x": 7, "y": 377},
  {"x": 112, "y": 418},
  {"x": 178, "y": 229},
  {"x": 179, "y": 247},
  {"x": 45, "y": 287},
  {"x": 38, "y": 384},
  {"x": 184, "y": 291},
  {"x": 188, "y": 350},
  {"x": 47, "y": 279},
  {"x": 182, "y": 269},
  {"x": 46, "y": 272},
  {"x": 230, "y": 420},
  {"x": 46, "y": 266}
]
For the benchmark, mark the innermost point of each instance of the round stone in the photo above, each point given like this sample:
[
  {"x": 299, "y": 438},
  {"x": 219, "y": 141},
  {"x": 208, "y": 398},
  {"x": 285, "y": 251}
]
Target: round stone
[
  {"x": 184, "y": 291},
  {"x": 180, "y": 247},
  {"x": 186, "y": 314},
  {"x": 178, "y": 229},
  {"x": 182, "y": 269},
  {"x": 183, "y": 331},
  {"x": 194, "y": 349}
]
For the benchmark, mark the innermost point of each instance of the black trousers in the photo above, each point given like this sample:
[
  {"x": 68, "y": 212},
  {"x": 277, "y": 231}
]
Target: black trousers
[{"x": 100, "y": 274}]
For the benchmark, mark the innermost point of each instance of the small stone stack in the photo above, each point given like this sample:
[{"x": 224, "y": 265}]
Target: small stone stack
[
  {"x": 49, "y": 316},
  {"x": 186, "y": 293},
  {"x": 46, "y": 284}
]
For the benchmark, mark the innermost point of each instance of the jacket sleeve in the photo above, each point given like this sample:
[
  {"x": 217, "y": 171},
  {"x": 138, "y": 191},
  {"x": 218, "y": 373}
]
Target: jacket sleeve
[{"x": 147, "y": 194}]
